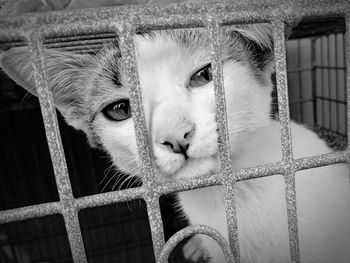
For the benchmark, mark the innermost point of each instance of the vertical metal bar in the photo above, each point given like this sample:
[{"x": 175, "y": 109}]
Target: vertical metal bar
[
  {"x": 142, "y": 140},
  {"x": 56, "y": 148},
  {"x": 152, "y": 198},
  {"x": 347, "y": 55},
  {"x": 323, "y": 101},
  {"x": 224, "y": 143},
  {"x": 313, "y": 81},
  {"x": 287, "y": 151},
  {"x": 300, "y": 84},
  {"x": 156, "y": 223},
  {"x": 282, "y": 92},
  {"x": 329, "y": 86},
  {"x": 50, "y": 119},
  {"x": 336, "y": 83},
  {"x": 75, "y": 238},
  {"x": 345, "y": 87}
]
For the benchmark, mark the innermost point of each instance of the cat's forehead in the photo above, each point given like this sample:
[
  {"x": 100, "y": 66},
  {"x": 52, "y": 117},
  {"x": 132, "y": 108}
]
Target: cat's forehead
[
  {"x": 175, "y": 52},
  {"x": 163, "y": 57},
  {"x": 190, "y": 45},
  {"x": 170, "y": 56},
  {"x": 186, "y": 40},
  {"x": 187, "y": 45}
]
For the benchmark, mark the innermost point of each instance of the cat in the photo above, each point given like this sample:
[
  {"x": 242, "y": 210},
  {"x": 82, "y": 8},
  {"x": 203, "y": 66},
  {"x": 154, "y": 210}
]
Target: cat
[{"x": 174, "y": 66}]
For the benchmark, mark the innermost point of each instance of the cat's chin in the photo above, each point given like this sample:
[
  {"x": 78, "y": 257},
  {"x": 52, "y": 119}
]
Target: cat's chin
[{"x": 191, "y": 168}]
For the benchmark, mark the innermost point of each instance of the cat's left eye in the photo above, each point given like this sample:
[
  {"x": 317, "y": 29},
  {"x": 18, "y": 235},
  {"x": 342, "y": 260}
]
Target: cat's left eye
[
  {"x": 118, "y": 111},
  {"x": 201, "y": 77}
]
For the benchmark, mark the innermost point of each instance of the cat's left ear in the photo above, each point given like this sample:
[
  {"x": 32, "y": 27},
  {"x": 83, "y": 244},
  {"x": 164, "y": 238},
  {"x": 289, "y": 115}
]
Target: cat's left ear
[{"x": 66, "y": 77}]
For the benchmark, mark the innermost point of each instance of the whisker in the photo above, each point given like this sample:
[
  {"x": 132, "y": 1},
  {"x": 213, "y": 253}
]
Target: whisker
[
  {"x": 106, "y": 172},
  {"x": 110, "y": 179}
]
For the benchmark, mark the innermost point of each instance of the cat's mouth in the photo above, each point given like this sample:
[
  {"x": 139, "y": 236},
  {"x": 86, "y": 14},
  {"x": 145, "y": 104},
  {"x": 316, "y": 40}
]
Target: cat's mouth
[{"x": 190, "y": 168}]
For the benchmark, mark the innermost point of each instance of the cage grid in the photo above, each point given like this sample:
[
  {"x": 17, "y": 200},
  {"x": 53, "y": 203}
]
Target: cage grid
[
  {"x": 317, "y": 80},
  {"x": 33, "y": 29}
]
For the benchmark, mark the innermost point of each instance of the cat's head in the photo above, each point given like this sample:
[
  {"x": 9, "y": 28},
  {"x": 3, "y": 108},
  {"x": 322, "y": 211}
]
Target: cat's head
[{"x": 92, "y": 93}]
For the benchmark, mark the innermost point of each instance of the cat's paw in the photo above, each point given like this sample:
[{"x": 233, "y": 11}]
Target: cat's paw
[{"x": 194, "y": 251}]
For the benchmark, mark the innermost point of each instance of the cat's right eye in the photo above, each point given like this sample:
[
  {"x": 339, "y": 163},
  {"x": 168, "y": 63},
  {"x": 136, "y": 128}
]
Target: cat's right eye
[
  {"x": 118, "y": 111},
  {"x": 201, "y": 77}
]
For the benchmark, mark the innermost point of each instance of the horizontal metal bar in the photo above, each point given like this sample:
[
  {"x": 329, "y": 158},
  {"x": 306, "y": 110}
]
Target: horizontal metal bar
[
  {"x": 45, "y": 209},
  {"x": 110, "y": 198},
  {"x": 331, "y": 100},
  {"x": 80, "y": 37},
  {"x": 321, "y": 160},
  {"x": 28, "y": 212},
  {"x": 299, "y": 70},
  {"x": 329, "y": 67},
  {"x": 90, "y": 48},
  {"x": 57, "y": 42},
  {"x": 177, "y": 186},
  {"x": 301, "y": 101},
  {"x": 146, "y": 17}
]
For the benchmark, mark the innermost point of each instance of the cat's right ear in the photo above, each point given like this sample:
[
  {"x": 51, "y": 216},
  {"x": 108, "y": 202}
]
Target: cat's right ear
[
  {"x": 64, "y": 75},
  {"x": 258, "y": 40}
]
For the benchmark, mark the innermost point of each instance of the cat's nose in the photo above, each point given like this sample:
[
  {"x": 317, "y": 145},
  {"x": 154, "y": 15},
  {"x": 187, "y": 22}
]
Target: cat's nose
[{"x": 179, "y": 141}]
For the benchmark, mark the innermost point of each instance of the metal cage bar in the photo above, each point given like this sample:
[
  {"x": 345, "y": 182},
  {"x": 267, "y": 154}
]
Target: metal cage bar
[
  {"x": 286, "y": 137},
  {"x": 153, "y": 17},
  {"x": 126, "y": 21},
  {"x": 224, "y": 145},
  {"x": 67, "y": 201},
  {"x": 347, "y": 54},
  {"x": 151, "y": 197}
]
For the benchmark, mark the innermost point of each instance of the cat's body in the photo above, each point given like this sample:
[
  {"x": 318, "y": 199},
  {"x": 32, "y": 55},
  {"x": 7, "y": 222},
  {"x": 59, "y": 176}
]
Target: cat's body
[
  {"x": 92, "y": 94},
  {"x": 261, "y": 206}
]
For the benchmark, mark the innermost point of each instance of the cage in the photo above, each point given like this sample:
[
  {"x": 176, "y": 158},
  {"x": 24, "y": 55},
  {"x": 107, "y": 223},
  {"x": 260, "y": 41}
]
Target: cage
[
  {"x": 53, "y": 207},
  {"x": 317, "y": 80}
]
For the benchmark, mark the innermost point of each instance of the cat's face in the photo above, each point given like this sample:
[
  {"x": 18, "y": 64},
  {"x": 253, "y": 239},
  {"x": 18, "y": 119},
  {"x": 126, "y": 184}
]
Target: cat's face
[{"x": 177, "y": 92}]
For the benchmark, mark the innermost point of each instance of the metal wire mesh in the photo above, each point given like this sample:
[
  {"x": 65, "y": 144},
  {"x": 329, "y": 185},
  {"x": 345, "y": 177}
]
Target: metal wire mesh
[
  {"x": 317, "y": 80},
  {"x": 125, "y": 21}
]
